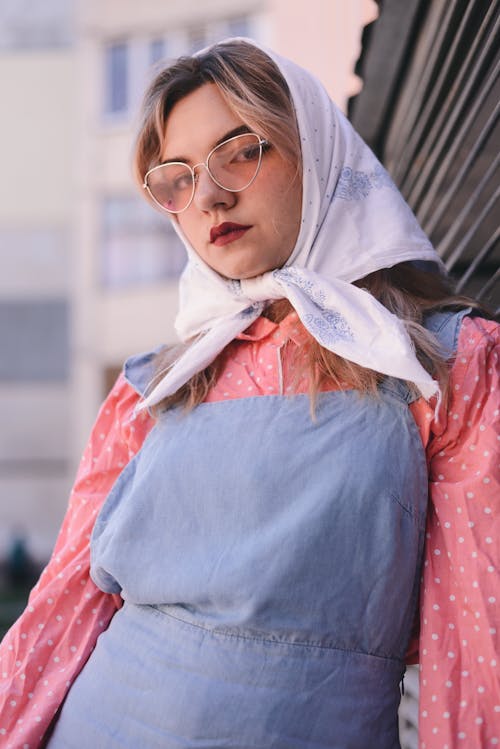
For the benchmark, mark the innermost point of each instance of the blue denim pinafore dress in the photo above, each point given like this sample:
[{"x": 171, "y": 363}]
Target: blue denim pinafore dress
[{"x": 270, "y": 568}]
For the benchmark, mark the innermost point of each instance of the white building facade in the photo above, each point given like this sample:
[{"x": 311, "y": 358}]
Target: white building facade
[
  {"x": 37, "y": 69},
  {"x": 96, "y": 265}
]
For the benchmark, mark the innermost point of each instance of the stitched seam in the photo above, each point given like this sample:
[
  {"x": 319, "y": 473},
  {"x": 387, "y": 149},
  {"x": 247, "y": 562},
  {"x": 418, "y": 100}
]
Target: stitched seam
[
  {"x": 301, "y": 644},
  {"x": 395, "y": 497}
]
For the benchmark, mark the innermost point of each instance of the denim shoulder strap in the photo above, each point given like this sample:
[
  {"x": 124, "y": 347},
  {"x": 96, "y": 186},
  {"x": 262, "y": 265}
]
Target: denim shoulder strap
[
  {"x": 445, "y": 326},
  {"x": 139, "y": 369}
]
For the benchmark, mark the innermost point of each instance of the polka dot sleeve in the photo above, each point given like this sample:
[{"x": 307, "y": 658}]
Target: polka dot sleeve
[
  {"x": 459, "y": 684},
  {"x": 45, "y": 650}
]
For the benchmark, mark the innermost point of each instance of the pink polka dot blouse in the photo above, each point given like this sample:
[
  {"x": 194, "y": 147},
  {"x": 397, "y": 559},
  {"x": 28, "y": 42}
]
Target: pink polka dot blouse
[{"x": 459, "y": 617}]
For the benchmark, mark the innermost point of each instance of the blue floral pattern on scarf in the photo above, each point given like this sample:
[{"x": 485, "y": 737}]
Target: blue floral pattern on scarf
[
  {"x": 356, "y": 185},
  {"x": 326, "y": 325},
  {"x": 381, "y": 178},
  {"x": 309, "y": 287}
]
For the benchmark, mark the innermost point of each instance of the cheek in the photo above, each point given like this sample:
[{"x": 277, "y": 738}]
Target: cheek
[
  {"x": 188, "y": 226},
  {"x": 288, "y": 206}
]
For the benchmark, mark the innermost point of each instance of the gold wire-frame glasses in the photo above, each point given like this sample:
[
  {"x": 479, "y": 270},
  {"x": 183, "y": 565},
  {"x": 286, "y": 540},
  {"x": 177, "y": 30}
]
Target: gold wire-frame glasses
[{"x": 233, "y": 165}]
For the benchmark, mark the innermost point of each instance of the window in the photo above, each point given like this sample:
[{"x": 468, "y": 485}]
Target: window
[
  {"x": 128, "y": 63},
  {"x": 116, "y": 78},
  {"x": 30, "y": 26},
  {"x": 139, "y": 246},
  {"x": 157, "y": 51},
  {"x": 35, "y": 258},
  {"x": 34, "y": 340}
]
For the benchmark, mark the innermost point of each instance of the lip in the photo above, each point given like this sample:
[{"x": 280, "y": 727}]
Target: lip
[{"x": 227, "y": 232}]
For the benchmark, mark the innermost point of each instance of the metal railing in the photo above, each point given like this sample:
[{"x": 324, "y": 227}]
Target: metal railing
[
  {"x": 429, "y": 108},
  {"x": 437, "y": 129}
]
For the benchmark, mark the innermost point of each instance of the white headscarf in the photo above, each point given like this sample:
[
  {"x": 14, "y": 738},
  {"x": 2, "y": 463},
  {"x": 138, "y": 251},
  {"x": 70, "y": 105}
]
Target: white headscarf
[{"x": 354, "y": 222}]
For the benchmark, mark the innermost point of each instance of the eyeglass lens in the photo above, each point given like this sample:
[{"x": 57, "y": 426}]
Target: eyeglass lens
[{"x": 233, "y": 165}]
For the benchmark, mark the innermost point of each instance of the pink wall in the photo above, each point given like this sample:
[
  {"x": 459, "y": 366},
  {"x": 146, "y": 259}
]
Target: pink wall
[{"x": 323, "y": 36}]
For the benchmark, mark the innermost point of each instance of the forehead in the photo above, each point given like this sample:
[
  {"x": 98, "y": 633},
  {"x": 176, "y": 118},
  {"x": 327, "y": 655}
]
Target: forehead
[{"x": 197, "y": 122}]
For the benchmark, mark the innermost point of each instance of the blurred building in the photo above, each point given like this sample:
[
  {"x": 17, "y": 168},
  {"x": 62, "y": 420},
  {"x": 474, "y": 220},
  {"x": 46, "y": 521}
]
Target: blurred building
[
  {"x": 37, "y": 147},
  {"x": 89, "y": 268}
]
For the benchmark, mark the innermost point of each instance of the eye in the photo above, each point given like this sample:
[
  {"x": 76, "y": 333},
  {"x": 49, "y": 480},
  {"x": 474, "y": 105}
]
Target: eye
[
  {"x": 249, "y": 152},
  {"x": 183, "y": 182}
]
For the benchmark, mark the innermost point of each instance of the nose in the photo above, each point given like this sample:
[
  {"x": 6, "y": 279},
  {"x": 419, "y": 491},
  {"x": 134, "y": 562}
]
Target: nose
[{"x": 208, "y": 194}]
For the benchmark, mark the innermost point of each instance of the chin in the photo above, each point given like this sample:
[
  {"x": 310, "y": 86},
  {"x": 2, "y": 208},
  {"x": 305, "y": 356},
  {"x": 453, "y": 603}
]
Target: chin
[
  {"x": 247, "y": 275},
  {"x": 241, "y": 274}
]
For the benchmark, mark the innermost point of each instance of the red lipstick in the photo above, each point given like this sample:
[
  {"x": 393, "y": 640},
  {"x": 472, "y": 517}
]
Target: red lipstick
[{"x": 227, "y": 232}]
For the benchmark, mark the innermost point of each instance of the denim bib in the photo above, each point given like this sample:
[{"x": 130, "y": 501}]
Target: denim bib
[{"x": 270, "y": 568}]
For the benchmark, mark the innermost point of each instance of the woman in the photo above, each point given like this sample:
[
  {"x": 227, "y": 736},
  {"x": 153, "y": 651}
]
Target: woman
[{"x": 258, "y": 496}]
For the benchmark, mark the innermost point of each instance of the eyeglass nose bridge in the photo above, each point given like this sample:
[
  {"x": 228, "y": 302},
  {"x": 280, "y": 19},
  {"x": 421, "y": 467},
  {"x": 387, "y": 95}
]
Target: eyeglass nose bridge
[{"x": 197, "y": 176}]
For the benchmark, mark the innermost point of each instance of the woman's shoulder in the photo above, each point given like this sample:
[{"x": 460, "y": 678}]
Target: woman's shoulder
[
  {"x": 478, "y": 336},
  {"x": 472, "y": 344},
  {"x": 139, "y": 369},
  {"x": 460, "y": 329},
  {"x": 473, "y": 390}
]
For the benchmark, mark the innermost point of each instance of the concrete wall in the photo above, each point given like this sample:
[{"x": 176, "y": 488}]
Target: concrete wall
[
  {"x": 323, "y": 36},
  {"x": 36, "y": 206},
  {"x": 37, "y": 143},
  {"x": 59, "y": 143},
  {"x": 117, "y": 17}
]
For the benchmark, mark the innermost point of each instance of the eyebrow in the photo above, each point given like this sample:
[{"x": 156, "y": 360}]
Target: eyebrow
[{"x": 240, "y": 130}]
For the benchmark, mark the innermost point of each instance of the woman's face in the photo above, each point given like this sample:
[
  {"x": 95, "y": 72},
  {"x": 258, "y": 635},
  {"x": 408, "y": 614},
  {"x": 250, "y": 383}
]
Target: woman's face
[{"x": 262, "y": 221}]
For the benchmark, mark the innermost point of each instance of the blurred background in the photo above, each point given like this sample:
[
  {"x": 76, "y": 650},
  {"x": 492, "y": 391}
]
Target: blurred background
[{"x": 88, "y": 270}]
